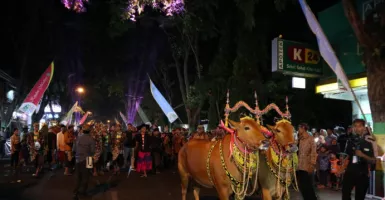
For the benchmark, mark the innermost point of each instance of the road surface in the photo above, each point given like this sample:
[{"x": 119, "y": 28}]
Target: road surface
[{"x": 56, "y": 186}]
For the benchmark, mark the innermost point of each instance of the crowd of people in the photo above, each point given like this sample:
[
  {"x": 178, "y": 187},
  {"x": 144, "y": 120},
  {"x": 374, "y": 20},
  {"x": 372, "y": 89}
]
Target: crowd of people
[
  {"x": 336, "y": 159},
  {"x": 323, "y": 155},
  {"x": 143, "y": 149}
]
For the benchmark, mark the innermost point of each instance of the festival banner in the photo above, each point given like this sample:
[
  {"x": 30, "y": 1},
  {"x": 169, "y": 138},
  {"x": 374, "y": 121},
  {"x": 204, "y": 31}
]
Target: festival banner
[
  {"x": 142, "y": 115},
  {"x": 68, "y": 118},
  {"x": 117, "y": 121},
  {"x": 84, "y": 118},
  {"x": 123, "y": 118},
  {"x": 163, "y": 104},
  {"x": 30, "y": 103},
  {"x": 324, "y": 46}
]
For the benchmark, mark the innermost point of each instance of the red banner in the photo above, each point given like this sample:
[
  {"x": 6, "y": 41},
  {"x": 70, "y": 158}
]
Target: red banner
[{"x": 36, "y": 94}]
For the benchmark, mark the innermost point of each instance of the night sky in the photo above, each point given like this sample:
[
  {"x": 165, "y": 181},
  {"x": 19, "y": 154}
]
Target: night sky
[{"x": 83, "y": 49}]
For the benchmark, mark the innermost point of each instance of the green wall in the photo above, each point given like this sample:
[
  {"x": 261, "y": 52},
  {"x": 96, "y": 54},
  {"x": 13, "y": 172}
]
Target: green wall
[{"x": 341, "y": 36}]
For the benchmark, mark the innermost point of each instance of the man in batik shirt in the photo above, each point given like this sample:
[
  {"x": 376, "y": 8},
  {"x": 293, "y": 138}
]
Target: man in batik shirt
[{"x": 307, "y": 159}]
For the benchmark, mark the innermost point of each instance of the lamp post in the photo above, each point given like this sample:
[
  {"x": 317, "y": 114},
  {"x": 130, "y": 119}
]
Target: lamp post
[{"x": 80, "y": 90}]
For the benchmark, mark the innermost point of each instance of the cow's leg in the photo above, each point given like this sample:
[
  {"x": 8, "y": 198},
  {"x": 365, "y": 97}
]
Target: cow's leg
[
  {"x": 223, "y": 193},
  {"x": 184, "y": 175},
  {"x": 196, "y": 193},
  {"x": 184, "y": 183},
  {"x": 266, "y": 194}
]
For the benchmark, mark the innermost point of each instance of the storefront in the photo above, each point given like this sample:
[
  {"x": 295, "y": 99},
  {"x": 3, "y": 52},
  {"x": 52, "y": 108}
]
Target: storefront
[
  {"x": 331, "y": 89},
  {"x": 342, "y": 38},
  {"x": 51, "y": 114}
]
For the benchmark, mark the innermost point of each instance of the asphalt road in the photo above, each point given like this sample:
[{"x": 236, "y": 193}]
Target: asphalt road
[{"x": 56, "y": 186}]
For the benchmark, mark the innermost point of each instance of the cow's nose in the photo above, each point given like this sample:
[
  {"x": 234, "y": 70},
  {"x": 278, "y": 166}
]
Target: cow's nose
[
  {"x": 264, "y": 145},
  {"x": 292, "y": 148}
]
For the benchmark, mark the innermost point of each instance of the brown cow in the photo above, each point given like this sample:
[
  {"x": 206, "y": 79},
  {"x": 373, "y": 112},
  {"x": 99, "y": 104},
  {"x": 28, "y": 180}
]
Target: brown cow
[
  {"x": 283, "y": 141},
  {"x": 201, "y": 160}
]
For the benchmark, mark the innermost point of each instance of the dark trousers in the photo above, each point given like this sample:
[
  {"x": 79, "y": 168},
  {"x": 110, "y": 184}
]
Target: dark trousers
[
  {"x": 166, "y": 161},
  {"x": 2, "y": 148},
  {"x": 15, "y": 159},
  {"x": 323, "y": 177},
  {"x": 358, "y": 180},
  {"x": 82, "y": 176},
  {"x": 305, "y": 184},
  {"x": 67, "y": 162}
]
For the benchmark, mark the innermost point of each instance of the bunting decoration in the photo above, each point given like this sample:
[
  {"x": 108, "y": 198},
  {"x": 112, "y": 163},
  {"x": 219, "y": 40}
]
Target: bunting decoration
[
  {"x": 162, "y": 102},
  {"x": 31, "y": 102},
  {"x": 324, "y": 46},
  {"x": 123, "y": 118},
  {"x": 67, "y": 120},
  {"x": 84, "y": 118},
  {"x": 142, "y": 115}
]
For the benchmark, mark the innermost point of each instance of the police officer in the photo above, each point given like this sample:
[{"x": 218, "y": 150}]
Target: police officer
[
  {"x": 360, "y": 156},
  {"x": 84, "y": 147}
]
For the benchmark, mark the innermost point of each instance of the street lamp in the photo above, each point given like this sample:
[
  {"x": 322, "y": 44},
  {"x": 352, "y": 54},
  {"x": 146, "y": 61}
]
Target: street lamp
[{"x": 80, "y": 90}]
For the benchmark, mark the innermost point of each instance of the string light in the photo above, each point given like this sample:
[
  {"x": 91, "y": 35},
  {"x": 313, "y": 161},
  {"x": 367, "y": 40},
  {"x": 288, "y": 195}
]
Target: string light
[{"x": 134, "y": 7}]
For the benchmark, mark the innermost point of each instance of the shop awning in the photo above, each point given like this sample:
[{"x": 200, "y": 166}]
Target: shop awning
[{"x": 332, "y": 89}]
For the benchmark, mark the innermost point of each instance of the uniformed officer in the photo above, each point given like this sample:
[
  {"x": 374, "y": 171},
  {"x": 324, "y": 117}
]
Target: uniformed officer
[
  {"x": 360, "y": 156},
  {"x": 84, "y": 147}
]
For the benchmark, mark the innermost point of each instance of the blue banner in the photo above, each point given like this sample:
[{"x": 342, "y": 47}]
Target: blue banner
[
  {"x": 324, "y": 46},
  {"x": 163, "y": 104},
  {"x": 143, "y": 115}
]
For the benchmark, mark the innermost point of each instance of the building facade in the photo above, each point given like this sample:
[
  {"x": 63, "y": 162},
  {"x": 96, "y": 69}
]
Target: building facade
[{"x": 343, "y": 40}]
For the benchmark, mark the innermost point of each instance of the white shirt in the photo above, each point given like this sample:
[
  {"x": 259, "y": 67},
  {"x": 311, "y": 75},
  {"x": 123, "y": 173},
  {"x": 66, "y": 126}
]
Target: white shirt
[{"x": 60, "y": 141}]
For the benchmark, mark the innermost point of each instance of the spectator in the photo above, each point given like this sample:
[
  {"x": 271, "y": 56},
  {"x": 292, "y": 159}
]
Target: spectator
[
  {"x": 334, "y": 168},
  {"x": 330, "y": 136},
  {"x": 2, "y": 142},
  {"x": 323, "y": 166},
  {"x": 334, "y": 148},
  {"x": 129, "y": 147},
  {"x": 156, "y": 150},
  {"x": 307, "y": 159},
  {"x": 15, "y": 148}
]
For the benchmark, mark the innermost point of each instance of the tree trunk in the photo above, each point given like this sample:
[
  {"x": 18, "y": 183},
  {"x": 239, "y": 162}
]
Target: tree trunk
[
  {"x": 376, "y": 89},
  {"x": 192, "y": 117},
  {"x": 375, "y": 65},
  {"x": 213, "y": 113}
]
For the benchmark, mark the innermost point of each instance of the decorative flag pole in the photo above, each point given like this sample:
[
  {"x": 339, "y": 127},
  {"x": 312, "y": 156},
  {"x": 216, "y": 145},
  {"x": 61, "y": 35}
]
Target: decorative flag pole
[
  {"x": 31, "y": 102},
  {"x": 142, "y": 115},
  {"x": 327, "y": 52},
  {"x": 163, "y": 104}
]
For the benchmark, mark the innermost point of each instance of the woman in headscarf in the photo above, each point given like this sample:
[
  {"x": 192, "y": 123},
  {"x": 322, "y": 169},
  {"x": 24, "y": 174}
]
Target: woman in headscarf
[{"x": 143, "y": 142}]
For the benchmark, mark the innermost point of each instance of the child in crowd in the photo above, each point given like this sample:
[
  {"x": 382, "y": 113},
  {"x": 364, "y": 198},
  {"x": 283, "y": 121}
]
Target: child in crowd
[
  {"x": 334, "y": 148},
  {"x": 335, "y": 165},
  {"x": 323, "y": 166}
]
